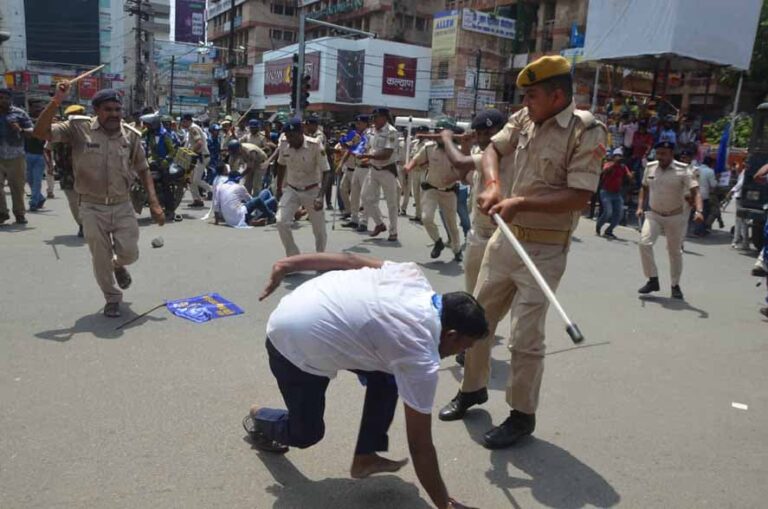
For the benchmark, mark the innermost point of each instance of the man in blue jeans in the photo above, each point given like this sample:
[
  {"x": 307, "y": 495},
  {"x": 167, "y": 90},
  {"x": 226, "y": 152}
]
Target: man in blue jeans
[
  {"x": 239, "y": 209},
  {"x": 380, "y": 320},
  {"x": 611, "y": 199},
  {"x": 35, "y": 150}
]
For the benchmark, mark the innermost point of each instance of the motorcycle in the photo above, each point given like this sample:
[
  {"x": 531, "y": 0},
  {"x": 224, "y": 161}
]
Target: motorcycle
[{"x": 170, "y": 184}]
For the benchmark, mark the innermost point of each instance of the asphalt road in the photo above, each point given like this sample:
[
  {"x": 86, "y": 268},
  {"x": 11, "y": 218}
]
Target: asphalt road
[{"x": 149, "y": 416}]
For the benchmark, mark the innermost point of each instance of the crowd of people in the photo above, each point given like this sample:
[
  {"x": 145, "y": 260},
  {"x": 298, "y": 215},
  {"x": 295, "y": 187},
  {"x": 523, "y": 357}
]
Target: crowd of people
[{"x": 537, "y": 169}]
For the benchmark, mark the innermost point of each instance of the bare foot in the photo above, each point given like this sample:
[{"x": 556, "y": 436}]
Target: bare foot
[
  {"x": 364, "y": 465},
  {"x": 253, "y": 410}
]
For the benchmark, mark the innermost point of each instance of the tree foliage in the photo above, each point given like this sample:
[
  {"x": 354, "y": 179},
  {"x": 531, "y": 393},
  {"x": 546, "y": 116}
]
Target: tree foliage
[{"x": 743, "y": 131}]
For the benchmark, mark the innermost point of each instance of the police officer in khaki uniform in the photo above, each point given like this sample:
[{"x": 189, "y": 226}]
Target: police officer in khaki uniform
[
  {"x": 416, "y": 176},
  {"x": 252, "y": 158},
  {"x": 346, "y": 166},
  {"x": 382, "y": 157},
  {"x": 302, "y": 176},
  {"x": 197, "y": 142},
  {"x": 358, "y": 218},
  {"x": 666, "y": 182},
  {"x": 62, "y": 158},
  {"x": 485, "y": 125},
  {"x": 254, "y": 135},
  {"x": 439, "y": 187},
  {"x": 403, "y": 178},
  {"x": 107, "y": 154},
  {"x": 557, "y": 154}
]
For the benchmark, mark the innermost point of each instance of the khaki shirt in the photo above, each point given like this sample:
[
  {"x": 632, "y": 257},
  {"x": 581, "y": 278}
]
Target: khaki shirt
[
  {"x": 250, "y": 155},
  {"x": 441, "y": 173},
  {"x": 257, "y": 139},
  {"x": 383, "y": 139},
  {"x": 349, "y": 160},
  {"x": 563, "y": 152},
  {"x": 319, "y": 135},
  {"x": 483, "y": 223},
  {"x": 667, "y": 186},
  {"x": 105, "y": 164},
  {"x": 195, "y": 133},
  {"x": 303, "y": 166}
]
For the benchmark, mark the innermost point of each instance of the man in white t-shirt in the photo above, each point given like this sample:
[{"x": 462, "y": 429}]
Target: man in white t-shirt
[{"x": 380, "y": 320}]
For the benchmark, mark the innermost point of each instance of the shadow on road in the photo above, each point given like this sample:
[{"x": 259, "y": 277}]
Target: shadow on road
[
  {"x": 444, "y": 268},
  {"x": 98, "y": 325},
  {"x": 294, "y": 490},
  {"x": 673, "y": 305},
  {"x": 295, "y": 280},
  {"x": 66, "y": 240},
  {"x": 553, "y": 475}
]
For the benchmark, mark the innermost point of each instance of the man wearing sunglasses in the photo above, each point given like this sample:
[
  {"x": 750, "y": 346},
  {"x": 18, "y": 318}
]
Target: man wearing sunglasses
[{"x": 106, "y": 154}]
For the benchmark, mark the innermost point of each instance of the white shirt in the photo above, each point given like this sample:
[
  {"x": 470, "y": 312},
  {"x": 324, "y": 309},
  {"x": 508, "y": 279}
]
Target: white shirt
[
  {"x": 707, "y": 181},
  {"x": 367, "y": 319},
  {"x": 739, "y": 185},
  {"x": 229, "y": 198}
]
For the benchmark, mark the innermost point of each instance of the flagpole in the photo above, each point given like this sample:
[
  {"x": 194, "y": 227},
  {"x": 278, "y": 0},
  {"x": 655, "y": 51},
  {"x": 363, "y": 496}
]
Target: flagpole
[{"x": 734, "y": 113}]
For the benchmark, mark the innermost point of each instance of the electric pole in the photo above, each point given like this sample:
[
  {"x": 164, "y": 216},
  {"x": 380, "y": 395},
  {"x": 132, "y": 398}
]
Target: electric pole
[
  {"x": 478, "y": 61},
  {"x": 170, "y": 96},
  {"x": 143, "y": 12},
  {"x": 231, "y": 57}
]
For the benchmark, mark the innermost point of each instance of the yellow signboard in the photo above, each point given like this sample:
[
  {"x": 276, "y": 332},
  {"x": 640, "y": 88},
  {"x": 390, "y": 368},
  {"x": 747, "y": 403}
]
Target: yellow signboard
[{"x": 445, "y": 27}]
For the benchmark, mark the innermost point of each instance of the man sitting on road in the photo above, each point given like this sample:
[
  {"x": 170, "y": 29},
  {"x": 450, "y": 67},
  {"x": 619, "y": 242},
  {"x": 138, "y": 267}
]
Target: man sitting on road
[
  {"x": 380, "y": 320},
  {"x": 238, "y": 209}
]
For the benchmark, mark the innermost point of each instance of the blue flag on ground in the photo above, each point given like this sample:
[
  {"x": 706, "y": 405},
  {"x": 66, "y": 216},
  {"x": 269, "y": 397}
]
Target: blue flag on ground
[
  {"x": 722, "y": 150},
  {"x": 203, "y": 308}
]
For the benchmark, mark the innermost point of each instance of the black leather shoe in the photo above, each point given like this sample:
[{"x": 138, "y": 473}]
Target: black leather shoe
[
  {"x": 677, "y": 293},
  {"x": 123, "y": 277},
  {"x": 509, "y": 432},
  {"x": 758, "y": 272},
  {"x": 80, "y": 231},
  {"x": 651, "y": 286},
  {"x": 459, "y": 405},
  {"x": 457, "y": 257},
  {"x": 439, "y": 246},
  {"x": 112, "y": 310}
]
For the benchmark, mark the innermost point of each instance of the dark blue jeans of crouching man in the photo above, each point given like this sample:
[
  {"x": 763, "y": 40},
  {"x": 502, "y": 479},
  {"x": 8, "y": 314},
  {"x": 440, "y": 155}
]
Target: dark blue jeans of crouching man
[{"x": 302, "y": 424}]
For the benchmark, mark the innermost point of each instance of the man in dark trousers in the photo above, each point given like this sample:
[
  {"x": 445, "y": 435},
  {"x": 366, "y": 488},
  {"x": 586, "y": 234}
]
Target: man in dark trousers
[{"x": 380, "y": 320}]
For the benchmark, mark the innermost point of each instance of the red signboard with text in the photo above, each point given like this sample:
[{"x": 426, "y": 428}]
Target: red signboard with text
[
  {"x": 88, "y": 86},
  {"x": 277, "y": 74},
  {"x": 399, "y": 76}
]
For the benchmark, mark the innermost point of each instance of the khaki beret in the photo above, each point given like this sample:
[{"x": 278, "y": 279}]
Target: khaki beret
[
  {"x": 74, "y": 109},
  {"x": 543, "y": 69}
]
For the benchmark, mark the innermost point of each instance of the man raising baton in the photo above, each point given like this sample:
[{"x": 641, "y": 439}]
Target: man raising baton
[{"x": 106, "y": 155}]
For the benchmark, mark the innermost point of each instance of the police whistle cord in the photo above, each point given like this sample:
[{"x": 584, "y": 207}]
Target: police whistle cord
[
  {"x": 571, "y": 328},
  {"x": 139, "y": 316}
]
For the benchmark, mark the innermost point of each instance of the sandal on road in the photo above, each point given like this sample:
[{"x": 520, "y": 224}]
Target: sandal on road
[{"x": 260, "y": 441}]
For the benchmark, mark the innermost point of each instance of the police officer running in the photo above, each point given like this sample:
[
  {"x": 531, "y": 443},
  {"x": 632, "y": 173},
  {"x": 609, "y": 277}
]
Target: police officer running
[
  {"x": 253, "y": 158},
  {"x": 557, "y": 154},
  {"x": 106, "y": 153},
  {"x": 439, "y": 187},
  {"x": 302, "y": 176},
  {"x": 198, "y": 143},
  {"x": 666, "y": 183}
]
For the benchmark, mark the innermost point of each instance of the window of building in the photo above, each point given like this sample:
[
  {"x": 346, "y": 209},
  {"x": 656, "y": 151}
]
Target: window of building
[
  {"x": 275, "y": 34},
  {"x": 290, "y": 10},
  {"x": 241, "y": 86},
  {"x": 288, "y": 36},
  {"x": 442, "y": 70},
  {"x": 277, "y": 8},
  {"x": 408, "y": 22},
  {"x": 421, "y": 23}
]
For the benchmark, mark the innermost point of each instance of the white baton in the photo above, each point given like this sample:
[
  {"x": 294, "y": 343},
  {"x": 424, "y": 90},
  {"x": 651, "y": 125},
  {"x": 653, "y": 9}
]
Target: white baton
[{"x": 571, "y": 328}]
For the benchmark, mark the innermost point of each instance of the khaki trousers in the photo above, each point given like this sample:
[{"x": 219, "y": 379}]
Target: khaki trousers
[
  {"x": 415, "y": 178},
  {"x": 376, "y": 182},
  {"x": 254, "y": 179},
  {"x": 405, "y": 186},
  {"x": 50, "y": 179},
  {"x": 447, "y": 202},
  {"x": 505, "y": 284},
  {"x": 112, "y": 233},
  {"x": 345, "y": 190},
  {"x": 477, "y": 241},
  {"x": 13, "y": 171},
  {"x": 289, "y": 204},
  {"x": 198, "y": 182},
  {"x": 358, "y": 179},
  {"x": 73, "y": 200},
  {"x": 672, "y": 228}
]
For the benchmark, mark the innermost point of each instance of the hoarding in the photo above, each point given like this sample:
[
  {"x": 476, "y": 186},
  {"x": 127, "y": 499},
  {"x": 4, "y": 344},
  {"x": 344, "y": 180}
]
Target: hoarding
[
  {"x": 62, "y": 34},
  {"x": 277, "y": 74},
  {"x": 442, "y": 89},
  {"x": 399, "y": 77},
  {"x": 190, "y": 21},
  {"x": 349, "y": 76},
  {"x": 445, "y": 26},
  {"x": 487, "y": 23}
]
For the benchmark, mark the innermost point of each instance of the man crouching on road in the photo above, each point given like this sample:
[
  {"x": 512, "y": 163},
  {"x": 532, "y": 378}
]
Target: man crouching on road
[{"x": 380, "y": 320}]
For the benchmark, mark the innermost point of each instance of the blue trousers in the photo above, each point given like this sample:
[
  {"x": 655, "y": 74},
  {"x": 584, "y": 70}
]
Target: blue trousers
[
  {"x": 35, "y": 176},
  {"x": 611, "y": 209},
  {"x": 302, "y": 425},
  {"x": 263, "y": 205}
]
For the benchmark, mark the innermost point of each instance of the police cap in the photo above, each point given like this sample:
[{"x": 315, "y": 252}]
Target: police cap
[
  {"x": 488, "y": 119},
  {"x": 106, "y": 95},
  {"x": 543, "y": 69},
  {"x": 665, "y": 144},
  {"x": 293, "y": 126}
]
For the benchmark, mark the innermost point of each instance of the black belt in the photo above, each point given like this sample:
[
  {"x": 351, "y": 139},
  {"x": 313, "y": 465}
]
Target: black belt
[
  {"x": 299, "y": 189},
  {"x": 426, "y": 186}
]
